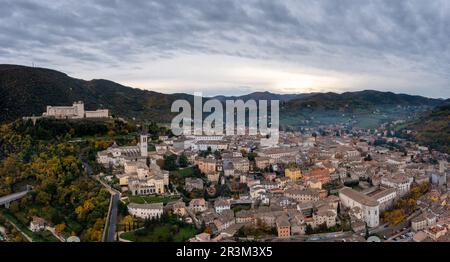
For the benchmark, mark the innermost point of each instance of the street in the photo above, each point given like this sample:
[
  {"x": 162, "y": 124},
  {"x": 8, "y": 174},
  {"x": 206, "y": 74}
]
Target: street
[
  {"x": 390, "y": 232},
  {"x": 113, "y": 218},
  {"x": 112, "y": 213}
]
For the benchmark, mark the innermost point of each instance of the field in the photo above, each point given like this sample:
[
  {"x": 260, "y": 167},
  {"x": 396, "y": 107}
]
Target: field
[
  {"x": 183, "y": 172},
  {"x": 177, "y": 176},
  {"x": 151, "y": 199}
]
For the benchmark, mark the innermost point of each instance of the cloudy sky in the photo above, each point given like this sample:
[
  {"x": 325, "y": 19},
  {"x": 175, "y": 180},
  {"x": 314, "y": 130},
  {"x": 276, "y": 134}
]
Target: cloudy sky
[{"x": 236, "y": 47}]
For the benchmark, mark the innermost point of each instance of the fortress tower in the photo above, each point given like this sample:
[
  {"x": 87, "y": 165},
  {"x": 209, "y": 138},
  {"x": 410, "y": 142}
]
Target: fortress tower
[{"x": 78, "y": 109}]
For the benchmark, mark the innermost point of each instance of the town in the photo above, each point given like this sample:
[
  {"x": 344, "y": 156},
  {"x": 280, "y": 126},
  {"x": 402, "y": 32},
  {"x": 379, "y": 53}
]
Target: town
[
  {"x": 326, "y": 183},
  {"x": 318, "y": 184}
]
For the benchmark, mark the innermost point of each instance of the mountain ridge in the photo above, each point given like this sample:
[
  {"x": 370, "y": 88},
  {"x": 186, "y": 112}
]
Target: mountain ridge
[{"x": 28, "y": 90}]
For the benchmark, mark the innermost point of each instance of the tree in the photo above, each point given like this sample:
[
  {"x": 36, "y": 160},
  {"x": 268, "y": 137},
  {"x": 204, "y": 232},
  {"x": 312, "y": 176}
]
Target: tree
[
  {"x": 203, "y": 153},
  {"x": 244, "y": 152},
  {"x": 128, "y": 219},
  {"x": 183, "y": 160},
  {"x": 395, "y": 216},
  {"x": 84, "y": 209},
  {"x": 208, "y": 230},
  {"x": 315, "y": 136},
  {"x": 322, "y": 227},
  {"x": 170, "y": 162},
  {"x": 367, "y": 232},
  {"x": 217, "y": 155},
  {"x": 14, "y": 207},
  {"x": 95, "y": 232},
  {"x": 251, "y": 156},
  {"x": 309, "y": 230},
  {"x": 60, "y": 228}
]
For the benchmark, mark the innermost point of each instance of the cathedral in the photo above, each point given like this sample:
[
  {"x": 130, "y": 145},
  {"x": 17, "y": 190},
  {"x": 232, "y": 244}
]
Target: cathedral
[{"x": 137, "y": 177}]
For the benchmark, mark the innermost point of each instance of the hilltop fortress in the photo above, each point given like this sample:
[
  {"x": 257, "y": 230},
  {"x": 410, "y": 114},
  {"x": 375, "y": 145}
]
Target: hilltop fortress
[
  {"x": 73, "y": 112},
  {"x": 76, "y": 111}
]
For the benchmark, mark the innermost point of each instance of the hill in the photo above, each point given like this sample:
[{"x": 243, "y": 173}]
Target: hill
[
  {"x": 27, "y": 91},
  {"x": 433, "y": 128},
  {"x": 366, "y": 108},
  {"x": 265, "y": 96},
  {"x": 364, "y": 99}
]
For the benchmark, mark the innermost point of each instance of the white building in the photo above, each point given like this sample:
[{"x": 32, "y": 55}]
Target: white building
[
  {"x": 198, "y": 205},
  {"x": 256, "y": 191},
  {"x": 324, "y": 215},
  {"x": 117, "y": 155},
  {"x": 146, "y": 211},
  {"x": 369, "y": 206},
  {"x": 37, "y": 224},
  {"x": 423, "y": 221},
  {"x": 276, "y": 153},
  {"x": 213, "y": 145},
  {"x": 401, "y": 183},
  {"x": 76, "y": 111},
  {"x": 302, "y": 195},
  {"x": 143, "y": 180},
  {"x": 206, "y": 138},
  {"x": 152, "y": 185},
  {"x": 386, "y": 198},
  {"x": 202, "y": 237},
  {"x": 221, "y": 205}
]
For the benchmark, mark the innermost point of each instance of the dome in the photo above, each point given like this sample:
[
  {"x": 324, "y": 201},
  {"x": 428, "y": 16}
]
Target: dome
[
  {"x": 373, "y": 239},
  {"x": 73, "y": 239}
]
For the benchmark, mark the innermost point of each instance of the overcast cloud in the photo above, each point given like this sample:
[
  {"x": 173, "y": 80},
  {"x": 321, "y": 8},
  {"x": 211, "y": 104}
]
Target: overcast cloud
[{"x": 235, "y": 47}]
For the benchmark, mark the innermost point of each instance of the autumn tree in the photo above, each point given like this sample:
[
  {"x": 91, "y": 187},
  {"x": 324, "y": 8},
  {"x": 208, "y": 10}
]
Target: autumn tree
[
  {"x": 60, "y": 228},
  {"x": 395, "y": 216}
]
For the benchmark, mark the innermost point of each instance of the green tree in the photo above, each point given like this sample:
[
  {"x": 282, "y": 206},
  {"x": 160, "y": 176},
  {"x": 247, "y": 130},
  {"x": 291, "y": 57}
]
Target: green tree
[
  {"x": 309, "y": 230},
  {"x": 183, "y": 160},
  {"x": 367, "y": 232},
  {"x": 217, "y": 155},
  {"x": 251, "y": 156},
  {"x": 170, "y": 162}
]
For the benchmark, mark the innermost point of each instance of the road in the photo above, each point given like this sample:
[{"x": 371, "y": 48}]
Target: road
[
  {"x": 323, "y": 237},
  {"x": 53, "y": 231},
  {"x": 111, "y": 234},
  {"x": 112, "y": 212},
  {"x": 391, "y": 232},
  {"x": 12, "y": 197},
  {"x": 20, "y": 231}
]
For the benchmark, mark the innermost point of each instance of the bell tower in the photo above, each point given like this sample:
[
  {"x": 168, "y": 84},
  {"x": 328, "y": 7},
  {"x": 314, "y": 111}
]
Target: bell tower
[{"x": 143, "y": 145}]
